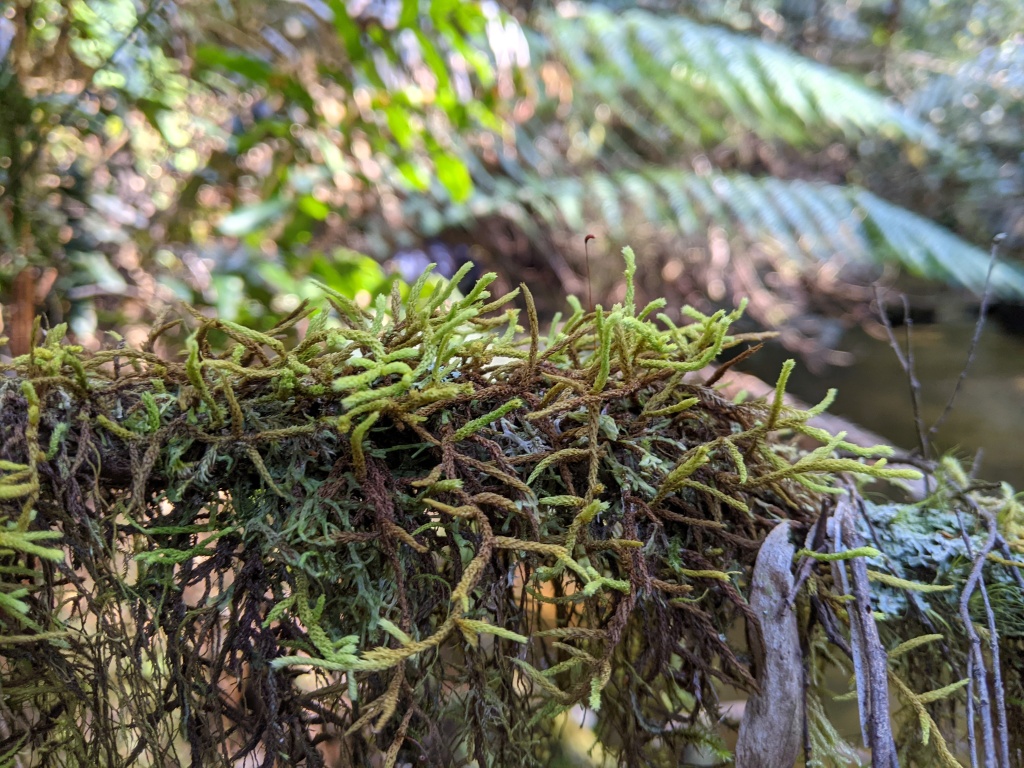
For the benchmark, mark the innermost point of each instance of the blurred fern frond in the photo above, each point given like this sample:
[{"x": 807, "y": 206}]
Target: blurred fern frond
[
  {"x": 382, "y": 126},
  {"x": 670, "y": 77},
  {"x": 808, "y": 222}
]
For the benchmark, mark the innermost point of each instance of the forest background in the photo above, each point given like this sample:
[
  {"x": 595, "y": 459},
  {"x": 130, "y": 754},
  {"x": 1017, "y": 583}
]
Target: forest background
[{"x": 222, "y": 154}]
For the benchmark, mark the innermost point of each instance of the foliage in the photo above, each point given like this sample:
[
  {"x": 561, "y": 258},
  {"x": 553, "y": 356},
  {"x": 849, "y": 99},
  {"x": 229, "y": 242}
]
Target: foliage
[
  {"x": 185, "y": 168},
  {"x": 223, "y": 154},
  {"x": 347, "y": 537}
]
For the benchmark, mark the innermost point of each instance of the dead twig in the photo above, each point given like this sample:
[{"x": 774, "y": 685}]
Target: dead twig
[
  {"x": 975, "y": 338},
  {"x": 979, "y": 678},
  {"x": 870, "y": 659}
]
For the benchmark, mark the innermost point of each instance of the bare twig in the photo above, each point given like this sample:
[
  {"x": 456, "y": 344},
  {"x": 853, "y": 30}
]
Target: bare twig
[
  {"x": 972, "y": 737},
  {"x": 977, "y": 577},
  {"x": 815, "y": 542},
  {"x": 590, "y": 285},
  {"x": 724, "y": 367},
  {"x": 978, "y": 668},
  {"x": 973, "y": 348},
  {"x": 915, "y": 384},
  {"x": 998, "y": 689},
  {"x": 869, "y": 654},
  {"x": 830, "y": 624},
  {"x": 906, "y": 362},
  {"x": 1004, "y": 547},
  {"x": 976, "y": 464}
]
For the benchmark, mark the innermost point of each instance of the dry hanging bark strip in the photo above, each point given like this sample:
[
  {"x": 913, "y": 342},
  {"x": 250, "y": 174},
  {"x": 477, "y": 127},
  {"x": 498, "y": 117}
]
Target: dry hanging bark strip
[
  {"x": 772, "y": 726},
  {"x": 869, "y": 656}
]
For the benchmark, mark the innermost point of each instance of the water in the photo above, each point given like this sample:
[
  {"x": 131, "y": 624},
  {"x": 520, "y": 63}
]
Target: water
[{"x": 874, "y": 391}]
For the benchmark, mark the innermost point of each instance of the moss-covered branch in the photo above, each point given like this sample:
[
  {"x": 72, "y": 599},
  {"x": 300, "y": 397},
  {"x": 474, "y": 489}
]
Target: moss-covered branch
[{"x": 415, "y": 530}]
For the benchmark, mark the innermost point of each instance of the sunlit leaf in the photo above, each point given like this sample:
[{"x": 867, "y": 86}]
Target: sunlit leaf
[
  {"x": 100, "y": 270},
  {"x": 452, "y": 173},
  {"x": 250, "y": 67},
  {"x": 398, "y": 122},
  {"x": 313, "y": 207},
  {"x": 231, "y": 293},
  {"x": 415, "y": 174},
  {"x": 244, "y": 220},
  {"x": 683, "y": 74},
  {"x": 349, "y": 272},
  {"x": 409, "y": 15}
]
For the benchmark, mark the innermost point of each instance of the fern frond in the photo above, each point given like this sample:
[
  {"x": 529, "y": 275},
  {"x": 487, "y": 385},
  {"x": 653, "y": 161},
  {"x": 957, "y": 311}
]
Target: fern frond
[
  {"x": 926, "y": 249},
  {"x": 809, "y": 222},
  {"x": 671, "y": 78}
]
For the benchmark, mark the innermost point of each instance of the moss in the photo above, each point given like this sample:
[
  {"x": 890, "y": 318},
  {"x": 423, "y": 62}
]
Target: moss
[{"x": 418, "y": 530}]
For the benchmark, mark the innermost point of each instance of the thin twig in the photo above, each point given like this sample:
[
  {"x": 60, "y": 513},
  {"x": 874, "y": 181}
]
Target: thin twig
[
  {"x": 976, "y": 464},
  {"x": 1004, "y": 547},
  {"x": 973, "y": 348},
  {"x": 815, "y": 541},
  {"x": 915, "y": 383},
  {"x": 997, "y": 676},
  {"x": 590, "y": 286},
  {"x": 993, "y": 635},
  {"x": 978, "y": 667},
  {"x": 906, "y": 362},
  {"x": 972, "y": 737},
  {"x": 724, "y": 367}
]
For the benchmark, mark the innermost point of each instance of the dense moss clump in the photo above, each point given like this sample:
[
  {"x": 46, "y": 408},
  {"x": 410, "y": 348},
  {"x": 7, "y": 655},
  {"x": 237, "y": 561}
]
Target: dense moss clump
[{"x": 412, "y": 533}]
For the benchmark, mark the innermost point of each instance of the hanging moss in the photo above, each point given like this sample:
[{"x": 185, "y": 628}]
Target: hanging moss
[{"x": 414, "y": 532}]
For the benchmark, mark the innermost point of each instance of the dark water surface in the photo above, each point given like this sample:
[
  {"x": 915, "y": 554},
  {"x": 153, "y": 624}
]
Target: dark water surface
[{"x": 874, "y": 392}]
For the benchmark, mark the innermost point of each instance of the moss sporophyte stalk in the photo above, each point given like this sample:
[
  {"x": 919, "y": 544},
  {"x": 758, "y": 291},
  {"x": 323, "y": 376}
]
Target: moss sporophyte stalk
[{"x": 418, "y": 529}]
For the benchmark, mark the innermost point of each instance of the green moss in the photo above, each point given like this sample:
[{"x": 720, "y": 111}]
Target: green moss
[{"x": 372, "y": 528}]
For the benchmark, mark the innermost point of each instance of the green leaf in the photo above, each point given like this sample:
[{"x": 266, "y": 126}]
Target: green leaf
[
  {"x": 249, "y": 218},
  {"x": 811, "y": 221},
  {"x": 410, "y": 14},
  {"x": 349, "y": 272},
  {"x": 668, "y": 75},
  {"x": 452, "y": 173},
  {"x": 415, "y": 174},
  {"x": 398, "y": 122},
  {"x": 313, "y": 208},
  {"x": 100, "y": 270},
  {"x": 249, "y": 67}
]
